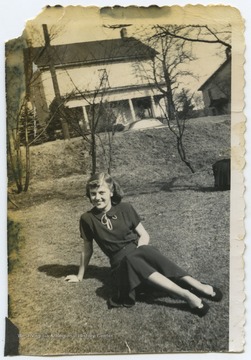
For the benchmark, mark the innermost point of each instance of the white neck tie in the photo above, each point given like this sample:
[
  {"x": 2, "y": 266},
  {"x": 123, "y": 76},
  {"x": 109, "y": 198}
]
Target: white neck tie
[{"x": 107, "y": 222}]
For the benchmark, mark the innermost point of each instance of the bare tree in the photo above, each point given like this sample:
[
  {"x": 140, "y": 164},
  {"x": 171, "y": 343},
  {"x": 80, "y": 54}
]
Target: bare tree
[
  {"x": 184, "y": 104},
  {"x": 199, "y": 34},
  {"x": 23, "y": 127},
  {"x": 18, "y": 113},
  {"x": 167, "y": 72},
  {"x": 173, "y": 44},
  {"x": 55, "y": 83},
  {"x": 99, "y": 111},
  {"x": 101, "y": 119}
]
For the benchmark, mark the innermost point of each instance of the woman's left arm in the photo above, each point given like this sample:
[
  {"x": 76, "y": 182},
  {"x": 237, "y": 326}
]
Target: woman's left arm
[{"x": 143, "y": 235}]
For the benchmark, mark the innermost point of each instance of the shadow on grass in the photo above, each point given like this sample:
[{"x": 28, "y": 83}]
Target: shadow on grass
[
  {"x": 191, "y": 188},
  {"x": 145, "y": 293},
  {"x": 171, "y": 187},
  {"x": 93, "y": 272},
  {"x": 58, "y": 271},
  {"x": 179, "y": 306},
  {"x": 154, "y": 299}
]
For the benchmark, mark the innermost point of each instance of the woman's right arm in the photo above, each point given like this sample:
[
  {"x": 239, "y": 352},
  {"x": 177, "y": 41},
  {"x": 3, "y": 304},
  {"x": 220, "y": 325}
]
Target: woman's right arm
[{"x": 85, "y": 257}]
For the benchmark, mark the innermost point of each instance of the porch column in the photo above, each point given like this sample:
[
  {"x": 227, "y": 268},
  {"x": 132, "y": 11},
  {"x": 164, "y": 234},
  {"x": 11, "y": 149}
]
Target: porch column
[
  {"x": 132, "y": 109},
  {"x": 87, "y": 126},
  {"x": 153, "y": 107}
]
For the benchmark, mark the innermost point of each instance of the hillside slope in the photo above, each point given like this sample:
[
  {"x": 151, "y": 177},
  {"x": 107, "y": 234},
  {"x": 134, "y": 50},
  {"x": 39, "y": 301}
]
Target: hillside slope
[{"x": 140, "y": 158}]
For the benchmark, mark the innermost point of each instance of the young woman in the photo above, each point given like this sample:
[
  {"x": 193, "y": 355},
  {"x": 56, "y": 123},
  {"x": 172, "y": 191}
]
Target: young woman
[{"x": 117, "y": 229}]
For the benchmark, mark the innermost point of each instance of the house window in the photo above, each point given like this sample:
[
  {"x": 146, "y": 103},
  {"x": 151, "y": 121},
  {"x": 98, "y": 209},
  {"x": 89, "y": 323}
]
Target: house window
[{"x": 103, "y": 78}]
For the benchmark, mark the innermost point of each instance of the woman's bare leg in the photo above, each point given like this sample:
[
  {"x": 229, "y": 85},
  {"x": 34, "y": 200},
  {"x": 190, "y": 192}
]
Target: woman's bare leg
[
  {"x": 204, "y": 288},
  {"x": 165, "y": 283}
]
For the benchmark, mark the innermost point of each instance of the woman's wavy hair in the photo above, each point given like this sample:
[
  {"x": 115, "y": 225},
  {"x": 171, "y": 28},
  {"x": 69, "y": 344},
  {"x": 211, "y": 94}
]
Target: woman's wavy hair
[{"x": 96, "y": 180}]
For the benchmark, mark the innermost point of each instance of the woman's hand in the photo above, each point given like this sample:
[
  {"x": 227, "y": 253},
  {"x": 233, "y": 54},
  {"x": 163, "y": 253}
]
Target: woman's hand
[
  {"x": 143, "y": 235},
  {"x": 72, "y": 278}
]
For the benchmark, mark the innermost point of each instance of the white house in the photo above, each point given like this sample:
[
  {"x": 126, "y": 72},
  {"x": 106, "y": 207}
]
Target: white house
[{"x": 112, "y": 71}]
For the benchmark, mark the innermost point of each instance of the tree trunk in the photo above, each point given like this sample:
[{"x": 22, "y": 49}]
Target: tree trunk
[
  {"x": 182, "y": 154},
  {"x": 18, "y": 164},
  {"x": 169, "y": 95},
  {"x": 170, "y": 106},
  {"x": 27, "y": 155},
  {"x": 110, "y": 153},
  {"x": 13, "y": 167},
  {"x": 93, "y": 153},
  {"x": 27, "y": 167},
  {"x": 65, "y": 129},
  {"x": 54, "y": 79}
]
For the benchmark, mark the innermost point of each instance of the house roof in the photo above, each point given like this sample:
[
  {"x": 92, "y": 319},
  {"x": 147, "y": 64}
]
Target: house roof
[
  {"x": 211, "y": 78},
  {"x": 93, "y": 52}
]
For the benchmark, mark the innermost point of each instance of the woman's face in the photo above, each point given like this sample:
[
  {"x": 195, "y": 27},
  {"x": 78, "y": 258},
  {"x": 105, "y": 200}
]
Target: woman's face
[{"x": 100, "y": 197}]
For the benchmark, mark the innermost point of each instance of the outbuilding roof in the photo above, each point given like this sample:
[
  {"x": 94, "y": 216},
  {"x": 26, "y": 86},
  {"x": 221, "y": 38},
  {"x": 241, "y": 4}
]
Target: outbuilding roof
[{"x": 211, "y": 78}]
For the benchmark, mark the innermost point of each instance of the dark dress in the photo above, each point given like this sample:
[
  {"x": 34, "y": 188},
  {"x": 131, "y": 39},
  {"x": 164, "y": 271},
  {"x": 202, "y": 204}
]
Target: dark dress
[{"x": 130, "y": 265}]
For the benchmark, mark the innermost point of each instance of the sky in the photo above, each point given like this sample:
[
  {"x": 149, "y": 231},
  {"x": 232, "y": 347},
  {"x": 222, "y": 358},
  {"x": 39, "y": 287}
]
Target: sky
[{"x": 13, "y": 14}]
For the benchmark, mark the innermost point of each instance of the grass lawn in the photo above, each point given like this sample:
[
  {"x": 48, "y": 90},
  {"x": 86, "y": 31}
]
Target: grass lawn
[{"x": 186, "y": 220}]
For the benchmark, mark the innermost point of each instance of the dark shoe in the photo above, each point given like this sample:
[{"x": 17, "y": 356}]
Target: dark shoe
[
  {"x": 216, "y": 297},
  {"x": 118, "y": 303},
  {"x": 114, "y": 303},
  {"x": 201, "y": 311}
]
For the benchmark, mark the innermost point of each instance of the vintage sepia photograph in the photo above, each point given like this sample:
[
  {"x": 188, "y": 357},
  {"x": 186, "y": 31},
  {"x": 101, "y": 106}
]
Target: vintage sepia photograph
[{"x": 125, "y": 153}]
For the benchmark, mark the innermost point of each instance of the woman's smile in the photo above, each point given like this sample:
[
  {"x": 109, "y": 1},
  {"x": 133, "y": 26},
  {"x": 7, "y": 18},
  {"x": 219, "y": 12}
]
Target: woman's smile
[{"x": 101, "y": 198}]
